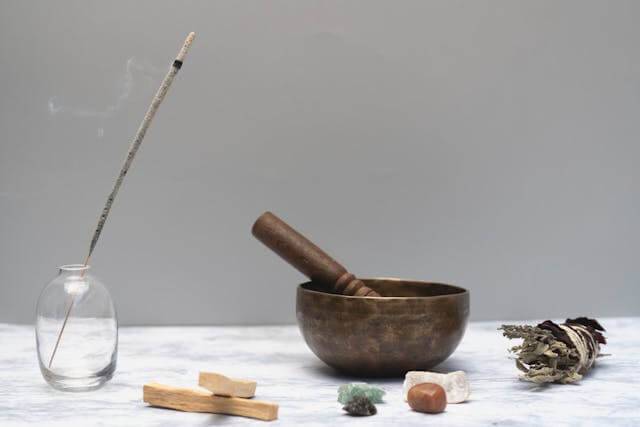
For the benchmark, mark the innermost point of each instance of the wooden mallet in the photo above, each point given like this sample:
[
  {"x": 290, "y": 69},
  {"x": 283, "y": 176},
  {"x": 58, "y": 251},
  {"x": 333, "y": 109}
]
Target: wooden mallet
[{"x": 306, "y": 257}]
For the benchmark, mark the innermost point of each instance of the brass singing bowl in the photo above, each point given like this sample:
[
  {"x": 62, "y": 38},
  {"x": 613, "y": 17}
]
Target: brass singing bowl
[{"x": 414, "y": 325}]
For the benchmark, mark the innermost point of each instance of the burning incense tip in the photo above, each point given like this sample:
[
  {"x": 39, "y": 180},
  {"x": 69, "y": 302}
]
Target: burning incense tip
[{"x": 177, "y": 64}]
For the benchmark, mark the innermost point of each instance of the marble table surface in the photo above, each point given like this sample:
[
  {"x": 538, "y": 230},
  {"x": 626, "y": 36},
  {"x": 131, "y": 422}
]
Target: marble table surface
[{"x": 288, "y": 373}]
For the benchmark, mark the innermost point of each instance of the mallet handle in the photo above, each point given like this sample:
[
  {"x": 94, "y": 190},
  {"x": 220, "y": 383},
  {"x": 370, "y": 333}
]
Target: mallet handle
[{"x": 306, "y": 257}]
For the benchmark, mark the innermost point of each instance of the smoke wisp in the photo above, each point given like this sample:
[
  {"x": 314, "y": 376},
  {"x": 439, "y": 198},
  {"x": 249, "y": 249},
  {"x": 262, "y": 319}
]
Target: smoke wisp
[{"x": 133, "y": 69}]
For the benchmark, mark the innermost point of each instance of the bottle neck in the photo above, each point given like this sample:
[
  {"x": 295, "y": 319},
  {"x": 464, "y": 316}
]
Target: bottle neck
[
  {"x": 75, "y": 278},
  {"x": 76, "y": 269},
  {"x": 79, "y": 270}
]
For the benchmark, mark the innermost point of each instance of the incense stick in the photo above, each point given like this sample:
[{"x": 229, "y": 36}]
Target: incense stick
[{"x": 133, "y": 149}]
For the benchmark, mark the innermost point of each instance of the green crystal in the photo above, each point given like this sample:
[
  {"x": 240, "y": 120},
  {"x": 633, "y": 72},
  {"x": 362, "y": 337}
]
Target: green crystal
[{"x": 346, "y": 392}]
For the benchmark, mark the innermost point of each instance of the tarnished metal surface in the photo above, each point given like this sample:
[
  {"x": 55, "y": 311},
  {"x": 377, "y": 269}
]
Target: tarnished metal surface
[{"x": 414, "y": 326}]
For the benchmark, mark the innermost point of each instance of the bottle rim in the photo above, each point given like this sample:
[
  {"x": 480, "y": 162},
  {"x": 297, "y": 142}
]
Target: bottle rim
[{"x": 74, "y": 267}]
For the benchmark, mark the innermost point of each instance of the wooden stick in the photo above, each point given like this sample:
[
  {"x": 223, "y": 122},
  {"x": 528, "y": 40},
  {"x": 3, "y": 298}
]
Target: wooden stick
[
  {"x": 194, "y": 400},
  {"x": 133, "y": 149},
  {"x": 221, "y": 385}
]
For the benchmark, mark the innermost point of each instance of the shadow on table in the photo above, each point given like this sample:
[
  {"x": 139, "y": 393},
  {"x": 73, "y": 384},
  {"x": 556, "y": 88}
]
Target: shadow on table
[
  {"x": 319, "y": 368},
  {"x": 222, "y": 419}
]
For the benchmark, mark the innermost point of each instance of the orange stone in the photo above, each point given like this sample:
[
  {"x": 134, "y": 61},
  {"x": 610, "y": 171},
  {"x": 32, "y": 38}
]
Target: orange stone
[{"x": 427, "y": 397}]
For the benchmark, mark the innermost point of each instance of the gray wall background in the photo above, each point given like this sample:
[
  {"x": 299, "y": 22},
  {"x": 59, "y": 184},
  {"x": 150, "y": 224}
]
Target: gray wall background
[{"x": 489, "y": 144}]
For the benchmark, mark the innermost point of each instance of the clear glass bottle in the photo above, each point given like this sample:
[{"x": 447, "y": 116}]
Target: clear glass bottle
[{"x": 76, "y": 331}]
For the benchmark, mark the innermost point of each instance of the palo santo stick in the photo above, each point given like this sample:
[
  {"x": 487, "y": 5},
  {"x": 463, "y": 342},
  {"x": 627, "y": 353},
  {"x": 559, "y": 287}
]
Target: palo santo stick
[
  {"x": 133, "y": 149},
  {"x": 221, "y": 385},
  {"x": 194, "y": 400}
]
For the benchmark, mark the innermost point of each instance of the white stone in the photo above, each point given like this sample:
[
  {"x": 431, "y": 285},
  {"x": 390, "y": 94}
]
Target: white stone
[{"x": 455, "y": 384}]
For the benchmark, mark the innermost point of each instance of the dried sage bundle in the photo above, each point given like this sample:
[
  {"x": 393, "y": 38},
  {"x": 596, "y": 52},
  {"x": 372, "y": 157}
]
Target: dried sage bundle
[{"x": 556, "y": 353}]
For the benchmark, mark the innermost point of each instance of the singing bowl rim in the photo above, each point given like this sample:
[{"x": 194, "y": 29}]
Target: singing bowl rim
[{"x": 457, "y": 291}]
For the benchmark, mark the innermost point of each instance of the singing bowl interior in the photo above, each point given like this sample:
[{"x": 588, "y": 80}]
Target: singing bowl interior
[{"x": 414, "y": 325}]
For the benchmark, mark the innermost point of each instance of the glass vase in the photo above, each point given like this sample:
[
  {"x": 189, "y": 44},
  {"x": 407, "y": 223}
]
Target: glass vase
[{"x": 76, "y": 331}]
